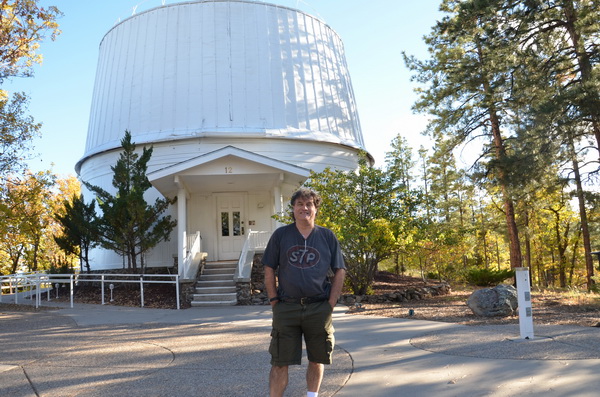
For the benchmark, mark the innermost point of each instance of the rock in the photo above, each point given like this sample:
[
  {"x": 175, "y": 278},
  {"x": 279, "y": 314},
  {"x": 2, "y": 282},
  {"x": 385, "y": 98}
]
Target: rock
[
  {"x": 500, "y": 301},
  {"x": 357, "y": 307}
]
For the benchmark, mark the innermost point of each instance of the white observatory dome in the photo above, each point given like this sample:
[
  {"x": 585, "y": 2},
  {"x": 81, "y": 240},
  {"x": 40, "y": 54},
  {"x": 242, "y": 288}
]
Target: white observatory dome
[{"x": 222, "y": 68}]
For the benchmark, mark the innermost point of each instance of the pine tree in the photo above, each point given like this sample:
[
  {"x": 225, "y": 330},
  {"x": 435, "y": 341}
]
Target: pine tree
[
  {"x": 78, "y": 221},
  {"x": 559, "y": 44},
  {"x": 129, "y": 225},
  {"x": 467, "y": 84}
]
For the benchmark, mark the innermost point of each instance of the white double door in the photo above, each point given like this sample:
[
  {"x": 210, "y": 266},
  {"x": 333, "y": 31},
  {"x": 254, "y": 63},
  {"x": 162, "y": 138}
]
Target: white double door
[{"x": 231, "y": 228}]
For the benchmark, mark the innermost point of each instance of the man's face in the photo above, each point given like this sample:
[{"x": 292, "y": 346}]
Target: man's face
[{"x": 304, "y": 209}]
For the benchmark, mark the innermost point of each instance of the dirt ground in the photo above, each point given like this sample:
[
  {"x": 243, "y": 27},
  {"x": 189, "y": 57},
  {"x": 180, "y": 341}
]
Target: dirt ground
[{"x": 549, "y": 307}]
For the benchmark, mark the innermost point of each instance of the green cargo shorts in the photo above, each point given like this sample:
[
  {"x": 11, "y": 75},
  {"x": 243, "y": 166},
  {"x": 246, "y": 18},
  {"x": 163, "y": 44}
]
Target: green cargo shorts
[{"x": 293, "y": 320}]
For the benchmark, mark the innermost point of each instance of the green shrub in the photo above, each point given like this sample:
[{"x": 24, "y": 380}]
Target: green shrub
[
  {"x": 60, "y": 267},
  {"x": 433, "y": 276},
  {"x": 487, "y": 277}
]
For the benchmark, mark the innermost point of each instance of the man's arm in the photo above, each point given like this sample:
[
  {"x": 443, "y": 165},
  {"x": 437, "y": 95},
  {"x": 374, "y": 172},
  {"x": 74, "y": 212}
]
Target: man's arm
[
  {"x": 270, "y": 284},
  {"x": 336, "y": 286}
]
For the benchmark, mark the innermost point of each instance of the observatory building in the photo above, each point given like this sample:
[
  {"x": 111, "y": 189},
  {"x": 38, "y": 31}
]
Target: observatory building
[{"x": 239, "y": 99}]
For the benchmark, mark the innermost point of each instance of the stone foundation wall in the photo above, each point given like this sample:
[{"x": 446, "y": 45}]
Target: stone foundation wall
[
  {"x": 406, "y": 295},
  {"x": 254, "y": 292},
  {"x": 186, "y": 293}
]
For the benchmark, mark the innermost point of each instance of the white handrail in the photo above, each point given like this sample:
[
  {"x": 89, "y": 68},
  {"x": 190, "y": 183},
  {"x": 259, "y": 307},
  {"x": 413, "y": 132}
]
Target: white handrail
[
  {"x": 256, "y": 241},
  {"x": 193, "y": 258}
]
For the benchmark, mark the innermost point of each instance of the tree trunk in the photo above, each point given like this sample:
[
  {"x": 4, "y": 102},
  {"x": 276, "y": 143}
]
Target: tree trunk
[
  {"x": 587, "y": 245},
  {"x": 527, "y": 242},
  {"x": 509, "y": 208},
  {"x": 591, "y": 101},
  {"x": 15, "y": 264}
]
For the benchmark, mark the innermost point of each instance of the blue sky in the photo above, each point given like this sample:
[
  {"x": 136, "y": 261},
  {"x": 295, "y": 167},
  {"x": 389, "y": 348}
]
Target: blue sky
[{"x": 374, "y": 33}]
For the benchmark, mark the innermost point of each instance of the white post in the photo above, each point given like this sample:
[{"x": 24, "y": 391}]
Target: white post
[
  {"x": 71, "y": 290},
  {"x": 177, "y": 291},
  {"x": 102, "y": 283},
  {"x": 524, "y": 299},
  {"x": 181, "y": 230},
  {"x": 278, "y": 200},
  {"x": 38, "y": 296},
  {"x": 142, "y": 289}
]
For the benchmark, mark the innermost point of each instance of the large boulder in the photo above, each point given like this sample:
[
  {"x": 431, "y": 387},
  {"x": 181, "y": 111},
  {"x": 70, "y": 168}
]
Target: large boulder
[{"x": 500, "y": 301}]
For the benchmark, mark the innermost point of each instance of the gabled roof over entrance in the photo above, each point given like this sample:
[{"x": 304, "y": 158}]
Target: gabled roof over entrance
[{"x": 225, "y": 170}]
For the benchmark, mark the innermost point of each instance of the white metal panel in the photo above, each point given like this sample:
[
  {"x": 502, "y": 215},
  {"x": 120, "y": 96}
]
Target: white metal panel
[
  {"x": 222, "y": 67},
  {"x": 208, "y": 71}
]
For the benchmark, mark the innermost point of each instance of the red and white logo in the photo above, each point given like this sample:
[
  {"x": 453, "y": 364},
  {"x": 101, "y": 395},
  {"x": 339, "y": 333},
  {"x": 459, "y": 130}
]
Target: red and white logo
[{"x": 303, "y": 257}]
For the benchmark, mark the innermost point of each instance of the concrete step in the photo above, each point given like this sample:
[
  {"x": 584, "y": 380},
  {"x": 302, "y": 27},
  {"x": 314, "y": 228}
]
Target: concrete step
[
  {"x": 216, "y": 277},
  {"x": 216, "y": 290},
  {"x": 220, "y": 264},
  {"x": 215, "y": 286},
  {"x": 219, "y": 270},
  {"x": 215, "y": 283},
  {"x": 213, "y": 303},
  {"x": 207, "y": 297}
]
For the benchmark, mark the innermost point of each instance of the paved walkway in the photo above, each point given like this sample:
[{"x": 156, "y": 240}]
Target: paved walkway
[{"x": 94, "y": 350}]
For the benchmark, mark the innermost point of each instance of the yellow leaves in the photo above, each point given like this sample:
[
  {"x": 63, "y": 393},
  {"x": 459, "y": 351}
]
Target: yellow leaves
[
  {"x": 27, "y": 207},
  {"x": 23, "y": 25}
]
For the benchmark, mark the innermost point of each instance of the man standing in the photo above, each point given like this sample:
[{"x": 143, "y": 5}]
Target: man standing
[{"x": 310, "y": 276}]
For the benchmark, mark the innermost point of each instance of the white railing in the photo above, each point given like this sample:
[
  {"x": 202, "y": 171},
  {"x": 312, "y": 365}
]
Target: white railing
[
  {"x": 192, "y": 260},
  {"x": 256, "y": 241},
  {"x": 192, "y": 240},
  {"x": 22, "y": 285},
  {"x": 38, "y": 283}
]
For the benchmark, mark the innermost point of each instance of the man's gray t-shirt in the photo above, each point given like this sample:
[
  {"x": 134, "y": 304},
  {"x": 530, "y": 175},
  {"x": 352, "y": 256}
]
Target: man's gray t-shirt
[{"x": 303, "y": 265}]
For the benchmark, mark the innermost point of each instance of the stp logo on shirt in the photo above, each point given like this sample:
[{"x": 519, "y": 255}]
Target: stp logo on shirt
[{"x": 303, "y": 257}]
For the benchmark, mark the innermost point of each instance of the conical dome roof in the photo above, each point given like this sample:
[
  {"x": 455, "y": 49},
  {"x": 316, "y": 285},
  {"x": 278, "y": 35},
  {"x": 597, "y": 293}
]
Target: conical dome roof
[{"x": 222, "y": 68}]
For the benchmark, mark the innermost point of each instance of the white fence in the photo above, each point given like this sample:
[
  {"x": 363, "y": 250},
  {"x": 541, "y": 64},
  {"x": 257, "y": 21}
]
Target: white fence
[{"x": 36, "y": 284}]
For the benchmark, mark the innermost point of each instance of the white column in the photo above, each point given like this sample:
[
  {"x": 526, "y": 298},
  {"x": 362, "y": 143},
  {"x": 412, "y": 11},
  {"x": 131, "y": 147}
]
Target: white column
[
  {"x": 524, "y": 300},
  {"x": 278, "y": 199},
  {"x": 181, "y": 229}
]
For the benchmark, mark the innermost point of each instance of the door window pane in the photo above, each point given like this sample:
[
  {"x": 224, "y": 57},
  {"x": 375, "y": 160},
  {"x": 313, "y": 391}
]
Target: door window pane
[
  {"x": 237, "y": 226},
  {"x": 224, "y": 223}
]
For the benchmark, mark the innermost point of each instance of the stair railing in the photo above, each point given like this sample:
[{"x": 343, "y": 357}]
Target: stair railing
[
  {"x": 192, "y": 260},
  {"x": 256, "y": 242}
]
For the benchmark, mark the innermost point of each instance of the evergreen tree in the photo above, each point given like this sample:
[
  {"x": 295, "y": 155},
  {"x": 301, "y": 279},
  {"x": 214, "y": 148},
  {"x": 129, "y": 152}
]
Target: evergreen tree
[
  {"x": 562, "y": 38},
  {"x": 561, "y": 86},
  {"x": 399, "y": 163},
  {"x": 129, "y": 225},
  {"x": 79, "y": 226},
  {"x": 467, "y": 85}
]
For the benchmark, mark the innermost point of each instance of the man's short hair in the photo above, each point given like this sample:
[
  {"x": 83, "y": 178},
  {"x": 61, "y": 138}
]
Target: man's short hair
[{"x": 305, "y": 193}]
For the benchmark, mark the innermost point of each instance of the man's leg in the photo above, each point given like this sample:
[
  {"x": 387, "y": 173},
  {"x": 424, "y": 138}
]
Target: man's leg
[
  {"x": 278, "y": 380},
  {"x": 314, "y": 376}
]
